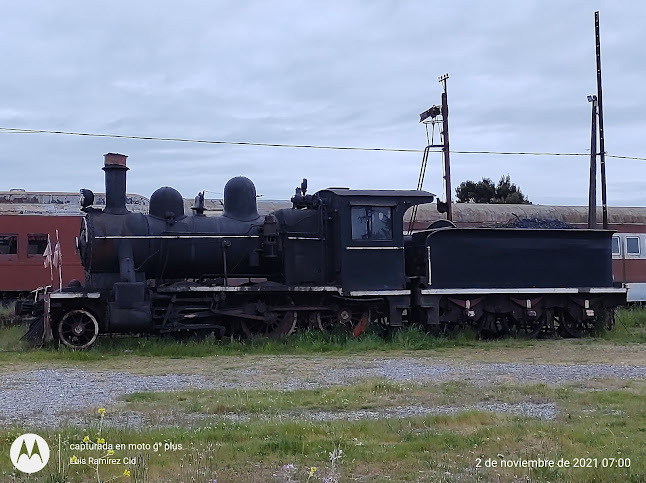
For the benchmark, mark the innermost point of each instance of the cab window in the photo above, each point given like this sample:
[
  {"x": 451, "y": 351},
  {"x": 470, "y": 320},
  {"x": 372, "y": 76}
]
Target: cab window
[{"x": 372, "y": 223}]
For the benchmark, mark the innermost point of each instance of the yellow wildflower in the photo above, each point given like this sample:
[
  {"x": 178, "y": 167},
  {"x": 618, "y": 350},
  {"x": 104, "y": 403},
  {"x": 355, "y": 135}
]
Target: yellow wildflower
[
  {"x": 86, "y": 439},
  {"x": 101, "y": 411},
  {"x": 110, "y": 452},
  {"x": 100, "y": 440},
  {"x": 126, "y": 473},
  {"x": 73, "y": 459},
  {"x": 312, "y": 470}
]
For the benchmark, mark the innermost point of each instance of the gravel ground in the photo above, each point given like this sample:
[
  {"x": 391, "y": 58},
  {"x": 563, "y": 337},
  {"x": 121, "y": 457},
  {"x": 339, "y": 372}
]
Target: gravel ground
[
  {"x": 53, "y": 396},
  {"x": 532, "y": 410}
]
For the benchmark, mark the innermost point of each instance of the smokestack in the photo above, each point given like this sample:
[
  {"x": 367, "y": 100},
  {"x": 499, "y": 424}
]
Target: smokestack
[{"x": 115, "y": 183}]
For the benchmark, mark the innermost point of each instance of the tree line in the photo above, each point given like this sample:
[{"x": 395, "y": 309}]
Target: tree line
[{"x": 486, "y": 191}]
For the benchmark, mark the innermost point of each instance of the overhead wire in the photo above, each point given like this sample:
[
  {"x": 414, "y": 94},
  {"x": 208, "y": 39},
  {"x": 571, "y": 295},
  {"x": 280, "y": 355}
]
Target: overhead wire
[
  {"x": 204, "y": 141},
  {"x": 304, "y": 146}
]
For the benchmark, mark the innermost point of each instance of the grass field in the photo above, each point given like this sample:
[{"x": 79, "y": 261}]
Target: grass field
[
  {"x": 287, "y": 436},
  {"x": 594, "y": 428}
]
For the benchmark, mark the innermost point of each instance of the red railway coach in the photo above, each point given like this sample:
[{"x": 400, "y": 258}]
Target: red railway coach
[
  {"x": 23, "y": 239},
  {"x": 26, "y": 219},
  {"x": 629, "y": 262}
]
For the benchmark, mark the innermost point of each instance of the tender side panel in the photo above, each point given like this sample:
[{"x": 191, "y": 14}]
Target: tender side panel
[{"x": 508, "y": 258}]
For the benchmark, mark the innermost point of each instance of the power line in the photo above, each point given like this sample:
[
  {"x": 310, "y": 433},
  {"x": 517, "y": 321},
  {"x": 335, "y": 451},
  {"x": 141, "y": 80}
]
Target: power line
[
  {"x": 520, "y": 153},
  {"x": 625, "y": 157},
  {"x": 10, "y": 130},
  {"x": 204, "y": 141}
]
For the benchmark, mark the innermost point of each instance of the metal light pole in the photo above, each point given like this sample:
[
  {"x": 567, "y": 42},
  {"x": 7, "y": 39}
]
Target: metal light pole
[
  {"x": 602, "y": 148},
  {"x": 433, "y": 112},
  {"x": 445, "y": 135},
  {"x": 592, "y": 192}
]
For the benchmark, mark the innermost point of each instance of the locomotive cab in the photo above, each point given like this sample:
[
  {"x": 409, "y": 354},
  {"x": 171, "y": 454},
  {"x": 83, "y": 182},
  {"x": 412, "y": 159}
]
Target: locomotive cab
[
  {"x": 365, "y": 244},
  {"x": 365, "y": 237}
]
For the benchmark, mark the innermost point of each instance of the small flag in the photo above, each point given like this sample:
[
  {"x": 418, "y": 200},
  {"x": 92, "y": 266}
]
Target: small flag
[
  {"x": 58, "y": 256},
  {"x": 48, "y": 254},
  {"x": 58, "y": 262}
]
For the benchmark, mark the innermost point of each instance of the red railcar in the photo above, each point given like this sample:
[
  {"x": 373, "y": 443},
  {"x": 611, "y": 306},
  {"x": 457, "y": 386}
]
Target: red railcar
[
  {"x": 26, "y": 218},
  {"x": 23, "y": 239}
]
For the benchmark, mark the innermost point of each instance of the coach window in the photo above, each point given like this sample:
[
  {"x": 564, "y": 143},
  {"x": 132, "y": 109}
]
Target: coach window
[
  {"x": 615, "y": 245},
  {"x": 36, "y": 244},
  {"x": 632, "y": 245},
  {"x": 8, "y": 244},
  {"x": 372, "y": 223}
]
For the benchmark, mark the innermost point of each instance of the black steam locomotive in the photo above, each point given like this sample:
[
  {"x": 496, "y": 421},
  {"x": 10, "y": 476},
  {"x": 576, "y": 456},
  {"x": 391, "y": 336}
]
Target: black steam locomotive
[{"x": 337, "y": 257}]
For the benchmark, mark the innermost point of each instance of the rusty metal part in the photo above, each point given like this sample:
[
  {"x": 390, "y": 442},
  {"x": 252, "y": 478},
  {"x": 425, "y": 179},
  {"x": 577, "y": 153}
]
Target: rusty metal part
[{"x": 362, "y": 325}]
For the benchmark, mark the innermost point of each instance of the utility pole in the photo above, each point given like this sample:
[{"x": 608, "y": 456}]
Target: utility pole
[
  {"x": 445, "y": 136},
  {"x": 602, "y": 148},
  {"x": 431, "y": 116},
  {"x": 592, "y": 192}
]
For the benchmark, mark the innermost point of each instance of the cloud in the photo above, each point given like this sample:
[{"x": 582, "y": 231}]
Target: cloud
[{"x": 332, "y": 73}]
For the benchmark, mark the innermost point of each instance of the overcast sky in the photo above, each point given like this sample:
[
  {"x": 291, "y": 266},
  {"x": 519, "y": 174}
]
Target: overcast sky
[{"x": 341, "y": 73}]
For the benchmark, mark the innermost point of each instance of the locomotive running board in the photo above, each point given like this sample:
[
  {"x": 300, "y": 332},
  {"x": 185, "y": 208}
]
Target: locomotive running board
[
  {"x": 279, "y": 288},
  {"x": 74, "y": 295},
  {"x": 381, "y": 293},
  {"x": 478, "y": 291}
]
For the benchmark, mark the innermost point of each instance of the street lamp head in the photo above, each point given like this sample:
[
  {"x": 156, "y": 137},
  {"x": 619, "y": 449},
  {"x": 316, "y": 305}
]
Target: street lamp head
[
  {"x": 432, "y": 112},
  {"x": 592, "y": 98}
]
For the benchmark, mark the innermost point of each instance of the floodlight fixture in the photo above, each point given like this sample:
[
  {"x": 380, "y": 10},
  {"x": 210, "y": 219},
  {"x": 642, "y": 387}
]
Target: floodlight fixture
[
  {"x": 442, "y": 78},
  {"x": 592, "y": 98},
  {"x": 432, "y": 111}
]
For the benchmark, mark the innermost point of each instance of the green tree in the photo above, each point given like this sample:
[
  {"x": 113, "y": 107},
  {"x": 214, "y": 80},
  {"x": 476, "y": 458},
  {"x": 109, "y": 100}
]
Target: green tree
[{"x": 486, "y": 191}]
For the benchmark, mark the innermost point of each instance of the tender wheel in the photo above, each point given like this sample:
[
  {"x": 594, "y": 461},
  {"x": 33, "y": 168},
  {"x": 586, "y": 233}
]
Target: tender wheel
[
  {"x": 78, "y": 329},
  {"x": 491, "y": 326},
  {"x": 528, "y": 328},
  {"x": 569, "y": 326}
]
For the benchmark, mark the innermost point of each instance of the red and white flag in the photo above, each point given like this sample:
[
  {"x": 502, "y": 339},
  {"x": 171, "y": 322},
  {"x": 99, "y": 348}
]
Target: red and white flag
[
  {"x": 58, "y": 261},
  {"x": 58, "y": 256},
  {"x": 48, "y": 254},
  {"x": 48, "y": 259}
]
